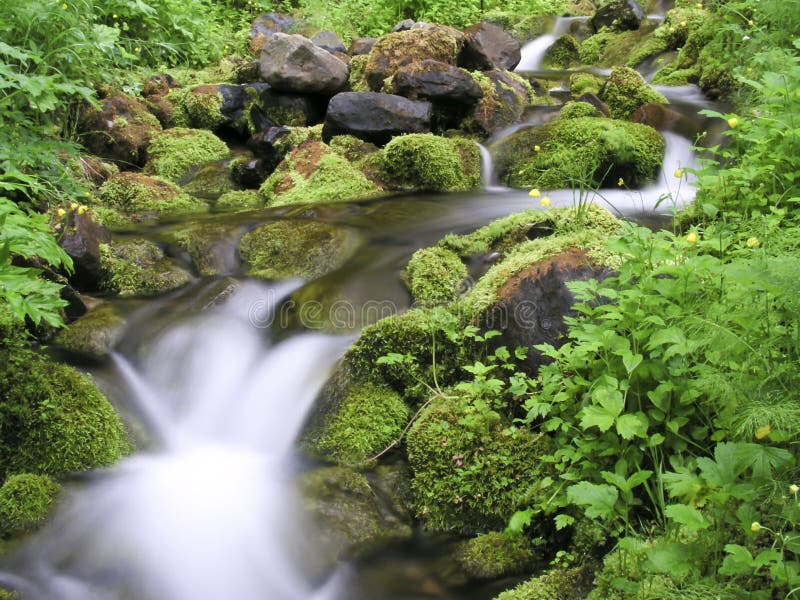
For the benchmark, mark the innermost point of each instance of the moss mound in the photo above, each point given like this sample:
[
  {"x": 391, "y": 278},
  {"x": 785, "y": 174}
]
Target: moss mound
[
  {"x": 435, "y": 276},
  {"x": 25, "y": 502},
  {"x": 586, "y": 151},
  {"x": 494, "y": 555},
  {"x": 304, "y": 249},
  {"x": 239, "y": 200},
  {"x": 625, "y": 90},
  {"x": 131, "y": 197},
  {"x": 471, "y": 469},
  {"x": 367, "y": 419},
  {"x": 313, "y": 173},
  {"x": 576, "y": 110},
  {"x": 173, "y": 152},
  {"x": 564, "y": 53},
  {"x": 584, "y": 83},
  {"x": 94, "y": 334},
  {"x": 556, "y": 584},
  {"x": 53, "y": 420},
  {"x": 428, "y": 162},
  {"x": 137, "y": 267}
]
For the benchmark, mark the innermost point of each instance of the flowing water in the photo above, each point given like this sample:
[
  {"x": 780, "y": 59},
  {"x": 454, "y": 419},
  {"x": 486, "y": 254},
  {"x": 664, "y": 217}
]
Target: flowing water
[{"x": 218, "y": 391}]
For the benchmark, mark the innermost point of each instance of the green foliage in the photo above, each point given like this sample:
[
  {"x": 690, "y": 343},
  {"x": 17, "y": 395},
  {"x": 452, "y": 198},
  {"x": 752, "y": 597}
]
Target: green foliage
[
  {"x": 25, "y": 501},
  {"x": 22, "y": 289},
  {"x": 626, "y": 90}
]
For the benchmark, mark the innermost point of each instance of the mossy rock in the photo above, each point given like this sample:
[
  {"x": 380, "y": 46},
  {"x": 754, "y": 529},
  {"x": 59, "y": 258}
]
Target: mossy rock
[
  {"x": 347, "y": 512},
  {"x": 365, "y": 421},
  {"x": 471, "y": 469},
  {"x": 581, "y": 152},
  {"x": 305, "y": 249},
  {"x": 239, "y": 200},
  {"x": 132, "y": 197},
  {"x": 609, "y": 48},
  {"x": 506, "y": 95},
  {"x": 564, "y": 53},
  {"x": 173, "y": 152},
  {"x": 138, "y": 267},
  {"x": 313, "y": 173},
  {"x": 423, "y": 161},
  {"x": 25, "y": 502},
  {"x": 209, "y": 181},
  {"x": 53, "y": 420},
  {"x": 555, "y": 584},
  {"x": 358, "y": 78},
  {"x": 199, "y": 107},
  {"x": 584, "y": 83},
  {"x": 94, "y": 334},
  {"x": 625, "y": 90},
  {"x": 494, "y": 555},
  {"x": 210, "y": 245},
  {"x": 576, "y": 110},
  {"x": 435, "y": 276}
]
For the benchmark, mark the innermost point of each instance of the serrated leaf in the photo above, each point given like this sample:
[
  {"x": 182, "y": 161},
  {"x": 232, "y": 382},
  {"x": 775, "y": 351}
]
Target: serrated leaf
[
  {"x": 519, "y": 521},
  {"x": 599, "y": 500},
  {"x": 630, "y": 426},
  {"x": 688, "y": 516},
  {"x": 563, "y": 521}
]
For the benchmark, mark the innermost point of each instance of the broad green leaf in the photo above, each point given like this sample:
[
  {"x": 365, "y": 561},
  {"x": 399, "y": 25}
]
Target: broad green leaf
[
  {"x": 673, "y": 558},
  {"x": 738, "y": 562},
  {"x": 688, "y": 516},
  {"x": 599, "y": 500},
  {"x": 607, "y": 406},
  {"x": 519, "y": 521},
  {"x": 630, "y": 426},
  {"x": 563, "y": 521}
]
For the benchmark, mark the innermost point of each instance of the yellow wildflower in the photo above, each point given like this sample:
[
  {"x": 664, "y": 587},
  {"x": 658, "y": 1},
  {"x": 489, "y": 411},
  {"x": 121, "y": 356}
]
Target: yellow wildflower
[
  {"x": 82, "y": 209},
  {"x": 73, "y": 205},
  {"x": 763, "y": 432},
  {"x": 537, "y": 148},
  {"x": 534, "y": 193},
  {"x": 755, "y": 526},
  {"x": 753, "y": 242},
  {"x": 794, "y": 488},
  {"x": 545, "y": 201},
  {"x": 61, "y": 213},
  {"x": 678, "y": 173},
  {"x": 733, "y": 122},
  {"x": 692, "y": 238},
  {"x": 64, "y": 6},
  {"x": 621, "y": 182}
]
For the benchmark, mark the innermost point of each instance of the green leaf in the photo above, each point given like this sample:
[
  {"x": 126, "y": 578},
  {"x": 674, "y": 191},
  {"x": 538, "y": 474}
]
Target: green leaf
[
  {"x": 673, "y": 558},
  {"x": 563, "y": 521},
  {"x": 607, "y": 406},
  {"x": 738, "y": 562},
  {"x": 599, "y": 500},
  {"x": 688, "y": 516},
  {"x": 519, "y": 521},
  {"x": 630, "y": 426},
  {"x": 631, "y": 361}
]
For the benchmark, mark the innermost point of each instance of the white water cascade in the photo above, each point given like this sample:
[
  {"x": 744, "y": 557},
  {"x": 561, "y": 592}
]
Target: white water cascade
[
  {"x": 211, "y": 515},
  {"x": 533, "y": 52}
]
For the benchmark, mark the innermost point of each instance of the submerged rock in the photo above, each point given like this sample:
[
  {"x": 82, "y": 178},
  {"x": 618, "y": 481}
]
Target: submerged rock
[
  {"x": 81, "y": 238},
  {"x": 292, "y": 63},
  {"x": 305, "y": 249},
  {"x": 95, "y": 334},
  {"x": 210, "y": 180},
  {"x": 375, "y": 117},
  {"x": 137, "y": 267},
  {"x": 211, "y": 246}
]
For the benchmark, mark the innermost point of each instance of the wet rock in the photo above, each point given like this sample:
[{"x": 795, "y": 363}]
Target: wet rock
[
  {"x": 394, "y": 50},
  {"x": 305, "y": 249},
  {"x": 328, "y": 40},
  {"x": 249, "y": 172},
  {"x": 537, "y": 299},
  {"x": 271, "y": 108},
  {"x": 375, "y": 117},
  {"x": 564, "y": 53},
  {"x": 625, "y": 90},
  {"x": 505, "y": 98},
  {"x": 81, "y": 239},
  {"x": 350, "y": 517},
  {"x": 489, "y": 47},
  {"x": 95, "y": 334},
  {"x": 361, "y": 46},
  {"x": 137, "y": 267},
  {"x": 291, "y": 63},
  {"x": 264, "y": 26},
  {"x": 270, "y": 145},
  {"x": 592, "y": 99},
  {"x": 209, "y": 181},
  {"x": 174, "y": 152},
  {"x": 664, "y": 118},
  {"x": 210, "y": 246},
  {"x": 120, "y": 129},
  {"x": 618, "y": 15},
  {"x": 436, "y": 81}
]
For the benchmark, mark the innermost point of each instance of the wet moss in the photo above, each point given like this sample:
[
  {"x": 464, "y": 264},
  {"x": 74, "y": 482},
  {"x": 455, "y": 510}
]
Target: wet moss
[
  {"x": 555, "y": 584},
  {"x": 174, "y": 151},
  {"x": 199, "y": 107},
  {"x": 53, "y": 420},
  {"x": 94, "y": 334},
  {"x": 564, "y": 53},
  {"x": 493, "y": 555},
  {"x": 472, "y": 469},
  {"x": 625, "y": 90},
  {"x": 576, "y": 110},
  {"x": 424, "y": 161},
  {"x": 239, "y": 199},
  {"x": 584, "y": 83},
  {"x": 305, "y": 249},
  {"x": 137, "y": 267},
  {"x": 25, "y": 502},
  {"x": 132, "y": 197},
  {"x": 435, "y": 276},
  {"x": 586, "y": 151},
  {"x": 367, "y": 420},
  {"x": 593, "y": 47},
  {"x": 358, "y": 78},
  {"x": 209, "y": 181},
  {"x": 211, "y": 246}
]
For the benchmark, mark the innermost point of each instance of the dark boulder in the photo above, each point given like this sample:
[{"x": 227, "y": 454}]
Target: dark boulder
[
  {"x": 436, "y": 81},
  {"x": 618, "y": 15},
  {"x": 665, "y": 118},
  {"x": 81, "y": 240},
  {"x": 489, "y": 47},
  {"x": 361, "y": 46},
  {"x": 506, "y": 96},
  {"x": 120, "y": 129},
  {"x": 291, "y": 63},
  {"x": 273, "y": 108},
  {"x": 270, "y": 144},
  {"x": 375, "y": 117},
  {"x": 328, "y": 40}
]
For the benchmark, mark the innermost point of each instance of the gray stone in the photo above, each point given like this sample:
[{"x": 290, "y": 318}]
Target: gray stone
[
  {"x": 291, "y": 63},
  {"x": 328, "y": 40},
  {"x": 489, "y": 47},
  {"x": 375, "y": 117},
  {"x": 361, "y": 46},
  {"x": 436, "y": 81}
]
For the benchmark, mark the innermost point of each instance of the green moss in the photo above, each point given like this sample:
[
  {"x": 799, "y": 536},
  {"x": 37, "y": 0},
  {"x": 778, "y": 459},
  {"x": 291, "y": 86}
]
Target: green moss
[
  {"x": 312, "y": 173},
  {"x": 137, "y": 267},
  {"x": 435, "y": 276},
  {"x": 555, "y": 584},
  {"x": 585, "y": 151},
  {"x": 494, "y": 555},
  {"x": 304, "y": 249},
  {"x": 564, "y": 53},
  {"x": 671, "y": 76},
  {"x": 174, "y": 151},
  {"x": 626, "y": 90},
  {"x": 367, "y": 420},
  {"x": 358, "y": 78},
  {"x": 587, "y": 229},
  {"x": 210, "y": 181},
  {"x": 352, "y": 148},
  {"x": 53, "y": 420},
  {"x": 94, "y": 334},
  {"x": 239, "y": 199},
  {"x": 584, "y": 83},
  {"x": 471, "y": 469},
  {"x": 505, "y": 98},
  {"x": 593, "y": 47},
  {"x": 209, "y": 245},
  {"x": 427, "y": 162},
  {"x": 199, "y": 107},
  {"x": 25, "y": 502},
  {"x": 135, "y": 197},
  {"x": 576, "y": 110}
]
